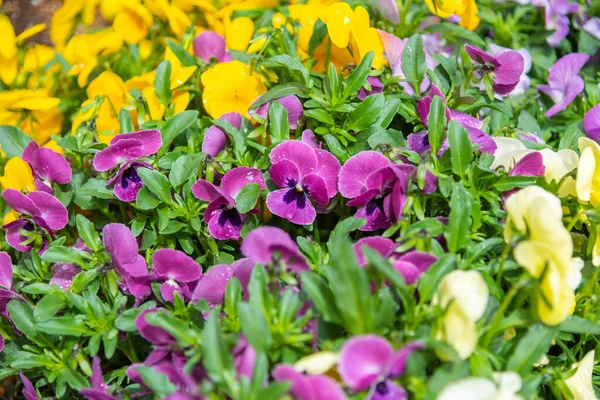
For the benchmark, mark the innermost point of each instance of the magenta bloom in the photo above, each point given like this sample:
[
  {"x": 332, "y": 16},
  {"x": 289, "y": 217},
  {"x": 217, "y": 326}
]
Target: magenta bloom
[
  {"x": 530, "y": 165},
  {"x": 557, "y": 19},
  {"x": 40, "y": 209},
  {"x": 124, "y": 252},
  {"x": 376, "y": 87},
  {"x": 208, "y": 45},
  {"x": 223, "y": 219},
  {"x": 215, "y": 140},
  {"x": 411, "y": 265},
  {"x": 377, "y": 186},
  {"x": 304, "y": 175},
  {"x": 591, "y": 123},
  {"x": 124, "y": 151},
  {"x": 48, "y": 167},
  {"x": 262, "y": 244},
  {"x": 564, "y": 82},
  {"x": 370, "y": 362},
  {"x": 177, "y": 270},
  {"x": 99, "y": 389},
  {"x": 62, "y": 274},
  {"x": 244, "y": 357},
  {"x": 291, "y": 103},
  {"x": 28, "y": 391},
  {"x": 506, "y": 68},
  {"x": 308, "y": 387},
  {"x": 419, "y": 142},
  {"x": 213, "y": 283},
  {"x": 6, "y": 288}
]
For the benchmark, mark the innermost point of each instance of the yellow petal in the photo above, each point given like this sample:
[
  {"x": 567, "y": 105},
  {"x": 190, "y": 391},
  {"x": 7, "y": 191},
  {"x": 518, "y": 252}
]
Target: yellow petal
[
  {"x": 8, "y": 70},
  {"x": 459, "y": 331},
  {"x": 8, "y": 47},
  {"x": 29, "y": 32},
  {"x": 469, "y": 19},
  {"x": 238, "y": 33},
  {"x": 110, "y": 8},
  {"x": 178, "y": 21},
  {"x": 466, "y": 290},
  {"x": 585, "y": 174},
  {"x": 339, "y": 19},
  {"x": 257, "y": 45},
  {"x": 369, "y": 40},
  {"x": 559, "y": 299},
  {"x": 435, "y": 9},
  {"x": 41, "y": 103},
  {"x": 181, "y": 99},
  {"x": 17, "y": 175},
  {"x": 133, "y": 22},
  {"x": 580, "y": 384},
  {"x": 10, "y": 217}
]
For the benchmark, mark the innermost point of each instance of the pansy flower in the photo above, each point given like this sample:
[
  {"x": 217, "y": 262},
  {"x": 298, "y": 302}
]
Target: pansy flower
[
  {"x": 505, "y": 69},
  {"x": 99, "y": 389},
  {"x": 505, "y": 386},
  {"x": 177, "y": 270},
  {"x": 244, "y": 357},
  {"x": 40, "y": 210},
  {"x": 28, "y": 391},
  {"x": 6, "y": 287},
  {"x": 564, "y": 82},
  {"x": 389, "y": 10},
  {"x": 17, "y": 175},
  {"x": 581, "y": 383},
  {"x": 557, "y": 19},
  {"x": 524, "y": 81},
  {"x": 308, "y": 387},
  {"x": 370, "y": 362},
  {"x": 124, "y": 152},
  {"x": 223, "y": 219},
  {"x": 376, "y": 88},
  {"x": 290, "y": 102},
  {"x": 213, "y": 283},
  {"x": 268, "y": 244},
  {"x": 377, "y": 186},
  {"x": 48, "y": 167},
  {"x": 591, "y": 123},
  {"x": 411, "y": 264},
  {"x": 215, "y": 140},
  {"x": 305, "y": 175},
  {"x": 209, "y": 45}
]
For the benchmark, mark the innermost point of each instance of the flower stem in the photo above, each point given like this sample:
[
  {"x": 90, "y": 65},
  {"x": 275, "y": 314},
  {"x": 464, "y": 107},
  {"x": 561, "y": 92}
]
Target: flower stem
[
  {"x": 500, "y": 313},
  {"x": 405, "y": 9}
]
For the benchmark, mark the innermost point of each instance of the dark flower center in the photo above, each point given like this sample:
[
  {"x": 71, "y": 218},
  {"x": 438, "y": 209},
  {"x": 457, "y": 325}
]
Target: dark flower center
[
  {"x": 382, "y": 388},
  {"x": 130, "y": 176},
  {"x": 376, "y": 203},
  {"x": 297, "y": 196},
  {"x": 231, "y": 215}
]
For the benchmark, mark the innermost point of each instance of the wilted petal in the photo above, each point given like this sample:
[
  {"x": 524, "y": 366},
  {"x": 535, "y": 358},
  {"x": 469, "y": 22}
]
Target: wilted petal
[
  {"x": 354, "y": 173},
  {"x": 591, "y": 123},
  {"x": 175, "y": 265},
  {"x": 210, "y": 44},
  {"x": 213, "y": 283},
  {"x": 236, "y": 178},
  {"x": 364, "y": 360},
  {"x": 297, "y": 152},
  {"x": 392, "y": 51},
  {"x": 383, "y": 246},
  {"x": 214, "y": 142},
  {"x": 151, "y": 140}
]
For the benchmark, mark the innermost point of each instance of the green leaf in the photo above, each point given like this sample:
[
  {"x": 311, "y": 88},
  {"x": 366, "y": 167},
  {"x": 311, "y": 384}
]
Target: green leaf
[
  {"x": 528, "y": 123},
  {"x": 449, "y": 30},
  {"x": 145, "y": 201},
  {"x": 13, "y": 141},
  {"x": 459, "y": 221},
  {"x": 88, "y": 233},
  {"x": 283, "y": 89},
  {"x": 279, "y": 126},
  {"x": 366, "y": 113},
  {"x": 126, "y": 321},
  {"x": 183, "y": 169},
  {"x": 508, "y": 182},
  {"x": 294, "y": 65},
  {"x": 320, "y": 115},
  {"x": 322, "y": 297},
  {"x": 255, "y": 327},
  {"x": 413, "y": 61},
  {"x": 343, "y": 228},
  {"x": 429, "y": 281},
  {"x": 386, "y": 269},
  {"x": 176, "y": 125},
  {"x": 162, "y": 82},
  {"x": 531, "y": 347},
  {"x": 63, "y": 326},
  {"x": 125, "y": 122},
  {"x": 319, "y": 33},
  {"x": 96, "y": 187},
  {"x": 461, "y": 148},
  {"x": 216, "y": 357},
  {"x": 156, "y": 381},
  {"x": 436, "y": 123},
  {"x": 358, "y": 77},
  {"x": 62, "y": 254},
  {"x": 576, "y": 324},
  {"x": 246, "y": 199},
  {"x": 21, "y": 314},
  {"x": 186, "y": 59},
  {"x": 47, "y": 307},
  {"x": 157, "y": 183}
]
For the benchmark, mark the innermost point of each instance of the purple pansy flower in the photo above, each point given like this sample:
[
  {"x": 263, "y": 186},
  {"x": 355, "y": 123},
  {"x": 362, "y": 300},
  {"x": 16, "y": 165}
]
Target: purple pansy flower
[
  {"x": 557, "y": 19},
  {"x": 263, "y": 243},
  {"x": 28, "y": 391},
  {"x": 411, "y": 265},
  {"x": 370, "y": 362},
  {"x": 389, "y": 10},
  {"x": 531, "y": 164},
  {"x": 213, "y": 283},
  {"x": 244, "y": 357},
  {"x": 377, "y": 186},
  {"x": 215, "y": 140},
  {"x": 591, "y": 123},
  {"x": 304, "y": 175},
  {"x": 124, "y": 252},
  {"x": 376, "y": 88},
  {"x": 524, "y": 81},
  {"x": 177, "y": 270},
  {"x": 43, "y": 210},
  {"x": 291, "y": 103},
  {"x": 308, "y": 387},
  {"x": 506, "y": 68},
  {"x": 124, "y": 151},
  {"x": 564, "y": 83},
  {"x": 419, "y": 142},
  {"x": 210, "y": 44},
  {"x": 48, "y": 167},
  {"x": 223, "y": 219},
  {"x": 99, "y": 389},
  {"x": 592, "y": 26},
  {"x": 6, "y": 288}
]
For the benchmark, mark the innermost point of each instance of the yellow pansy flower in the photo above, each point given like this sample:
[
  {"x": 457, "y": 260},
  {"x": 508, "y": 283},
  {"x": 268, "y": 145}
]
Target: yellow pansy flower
[
  {"x": 63, "y": 20},
  {"x": 588, "y": 172},
  {"x": 8, "y": 51},
  {"x": 366, "y": 38},
  {"x": 133, "y": 22},
  {"x": 580, "y": 384},
  {"x": 229, "y": 87},
  {"x": 17, "y": 175},
  {"x": 238, "y": 33},
  {"x": 339, "y": 19},
  {"x": 465, "y": 9}
]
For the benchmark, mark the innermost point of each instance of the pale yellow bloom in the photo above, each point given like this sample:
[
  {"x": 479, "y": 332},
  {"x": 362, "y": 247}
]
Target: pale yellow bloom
[
  {"x": 580, "y": 384},
  {"x": 504, "y": 387},
  {"x": 588, "y": 172},
  {"x": 317, "y": 363}
]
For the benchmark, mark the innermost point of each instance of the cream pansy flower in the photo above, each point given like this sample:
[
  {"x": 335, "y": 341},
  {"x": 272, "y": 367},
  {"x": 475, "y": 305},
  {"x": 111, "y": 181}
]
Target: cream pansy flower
[
  {"x": 580, "y": 384},
  {"x": 317, "y": 363},
  {"x": 504, "y": 387},
  {"x": 464, "y": 294},
  {"x": 588, "y": 172}
]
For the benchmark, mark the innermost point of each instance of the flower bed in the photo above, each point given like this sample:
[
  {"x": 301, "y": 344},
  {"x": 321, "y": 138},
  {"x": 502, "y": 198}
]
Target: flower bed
[{"x": 323, "y": 200}]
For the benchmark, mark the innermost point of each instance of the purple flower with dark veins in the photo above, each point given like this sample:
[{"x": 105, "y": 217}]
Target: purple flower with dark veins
[
  {"x": 208, "y": 45},
  {"x": 564, "y": 82},
  {"x": 308, "y": 387},
  {"x": 177, "y": 270},
  {"x": 262, "y": 245},
  {"x": 223, "y": 219},
  {"x": 506, "y": 68},
  {"x": 376, "y": 88},
  {"x": 39, "y": 210},
  {"x": 304, "y": 175},
  {"x": 377, "y": 186},
  {"x": 213, "y": 283},
  {"x": 370, "y": 362},
  {"x": 47, "y": 166},
  {"x": 215, "y": 140},
  {"x": 99, "y": 389},
  {"x": 291, "y": 103},
  {"x": 591, "y": 123},
  {"x": 124, "y": 151}
]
